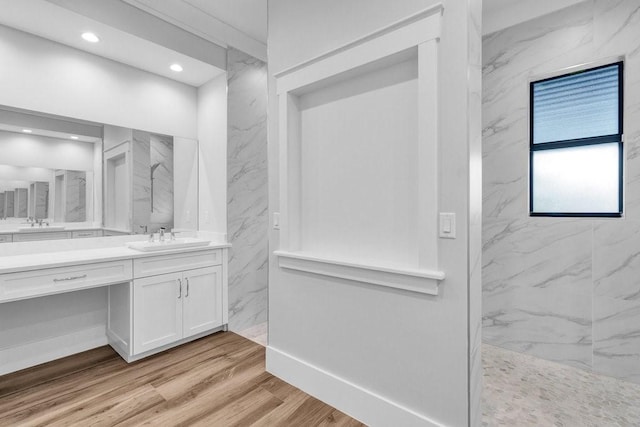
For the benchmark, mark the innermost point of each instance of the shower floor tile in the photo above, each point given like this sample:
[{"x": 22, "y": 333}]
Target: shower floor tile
[{"x": 521, "y": 390}]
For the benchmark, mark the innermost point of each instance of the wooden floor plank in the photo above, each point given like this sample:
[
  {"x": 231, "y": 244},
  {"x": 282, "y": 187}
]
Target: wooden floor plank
[
  {"x": 27, "y": 378},
  {"x": 219, "y": 380}
]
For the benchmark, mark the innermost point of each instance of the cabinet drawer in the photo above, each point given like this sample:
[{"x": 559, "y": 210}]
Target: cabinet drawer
[
  {"x": 152, "y": 266},
  {"x": 6, "y": 238},
  {"x": 41, "y": 235},
  {"x": 28, "y": 284},
  {"x": 107, "y": 233},
  {"x": 86, "y": 233}
]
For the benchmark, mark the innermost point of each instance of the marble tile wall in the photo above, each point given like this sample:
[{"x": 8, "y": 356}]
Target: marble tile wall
[
  {"x": 566, "y": 290},
  {"x": 475, "y": 210},
  {"x": 21, "y": 202},
  {"x": 1, "y": 205},
  {"x": 8, "y": 204},
  {"x": 41, "y": 208},
  {"x": 247, "y": 201},
  {"x": 161, "y": 154},
  {"x": 152, "y": 151},
  {"x": 76, "y": 196},
  {"x": 141, "y": 182}
]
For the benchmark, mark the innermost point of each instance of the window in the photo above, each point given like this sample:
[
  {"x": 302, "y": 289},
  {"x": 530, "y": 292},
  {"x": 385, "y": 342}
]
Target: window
[{"x": 576, "y": 144}]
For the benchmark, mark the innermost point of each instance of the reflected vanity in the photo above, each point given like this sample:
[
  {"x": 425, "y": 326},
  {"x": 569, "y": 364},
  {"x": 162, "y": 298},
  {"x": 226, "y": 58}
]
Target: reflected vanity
[
  {"x": 67, "y": 178},
  {"x": 63, "y": 179}
]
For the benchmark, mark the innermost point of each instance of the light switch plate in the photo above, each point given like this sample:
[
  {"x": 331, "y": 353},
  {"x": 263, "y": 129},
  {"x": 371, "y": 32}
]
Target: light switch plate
[
  {"x": 276, "y": 220},
  {"x": 447, "y": 227}
]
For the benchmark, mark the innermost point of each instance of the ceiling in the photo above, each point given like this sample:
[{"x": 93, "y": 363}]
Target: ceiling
[
  {"x": 248, "y": 16},
  {"x": 52, "y": 21},
  {"x": 500, "y": 14},
  {"x": 238, "y": 23},
  {"x": 18, "y": 120},
  {"x": 158, "y": 33}
]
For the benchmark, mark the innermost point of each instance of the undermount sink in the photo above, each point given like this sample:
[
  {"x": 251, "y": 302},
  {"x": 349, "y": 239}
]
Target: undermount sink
[
  {"x": 167, "y": 245},
  {"x": 38, "y": 229}
]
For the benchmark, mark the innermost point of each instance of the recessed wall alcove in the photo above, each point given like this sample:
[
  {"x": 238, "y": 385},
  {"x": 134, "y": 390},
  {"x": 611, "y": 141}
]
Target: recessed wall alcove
[{"x": 358, "y": 159}]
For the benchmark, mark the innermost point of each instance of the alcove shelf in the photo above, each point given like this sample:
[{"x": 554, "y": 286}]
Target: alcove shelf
[
  {"x": 420, "y": 281},
  {"x": 358, "y": 142}
]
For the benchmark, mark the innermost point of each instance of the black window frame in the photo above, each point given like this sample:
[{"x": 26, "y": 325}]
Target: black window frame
[{"x": 581, "y": 142}]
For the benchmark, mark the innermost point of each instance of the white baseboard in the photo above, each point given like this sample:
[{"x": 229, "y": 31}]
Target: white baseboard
[
  {"x": 34, "y": 353},
  {"x": 353, "y": 400}
]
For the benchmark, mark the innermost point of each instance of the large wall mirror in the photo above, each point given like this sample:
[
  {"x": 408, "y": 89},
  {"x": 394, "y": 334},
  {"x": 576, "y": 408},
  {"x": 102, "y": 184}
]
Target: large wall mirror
[{"x": 60, "y": 175}]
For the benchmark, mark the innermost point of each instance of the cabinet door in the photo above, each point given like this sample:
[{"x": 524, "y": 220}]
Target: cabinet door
[
  {"x": 202, "y": 300},
  {"x": 157, "y": 311}
]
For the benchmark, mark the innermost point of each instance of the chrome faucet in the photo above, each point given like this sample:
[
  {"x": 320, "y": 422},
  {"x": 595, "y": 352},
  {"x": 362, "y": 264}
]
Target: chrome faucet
[{"x": 162, "y": 229}]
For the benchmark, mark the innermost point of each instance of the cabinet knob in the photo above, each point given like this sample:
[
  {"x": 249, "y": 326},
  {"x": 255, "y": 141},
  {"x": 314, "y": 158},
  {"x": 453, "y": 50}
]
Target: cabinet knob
[{"x": 187, "y": 280}]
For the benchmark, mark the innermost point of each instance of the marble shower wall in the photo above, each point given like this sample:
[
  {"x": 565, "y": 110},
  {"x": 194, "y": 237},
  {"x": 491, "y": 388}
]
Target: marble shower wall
[
  {"x": 152, "y": 151},
  {"x": 141, "y": 180},
  {"x": 76, "y": 197},
  {"x": 21, "y": 202},
  {"x": 41, "y": 200},
  {"x": 161, "y": 154},
  {"x": 8, "y": 204},
  {"x": 562, "y": 289},
  {"x": 247, "y": 199}
]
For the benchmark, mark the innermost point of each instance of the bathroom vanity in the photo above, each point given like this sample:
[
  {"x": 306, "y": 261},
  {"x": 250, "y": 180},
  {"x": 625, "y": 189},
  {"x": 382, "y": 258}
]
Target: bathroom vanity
[{"x": 156, "y": 299}]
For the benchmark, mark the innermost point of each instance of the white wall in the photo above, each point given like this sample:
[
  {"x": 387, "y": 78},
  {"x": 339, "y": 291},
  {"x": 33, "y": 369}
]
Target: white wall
[
  {"x": 212, "y": 138},
  {"x": 44, "y": 152},
  {"x": 412, "y": 350},
  {"x": 45, "y": 76},
  {"x": 41, "y": 329},
  {"x": 185, "y": 184}
]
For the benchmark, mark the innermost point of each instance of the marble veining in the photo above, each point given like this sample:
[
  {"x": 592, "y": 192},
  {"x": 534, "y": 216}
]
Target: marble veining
[
  {"x": 152, "y": 159},
  {"x": 475, "y": 210},
  {"x": 161, "y": 163},
  {"x": 247, "y": 198},
  {"x": 21, "y": 202},
  {"x": 76, "y": 196},
  {"x": 141, "y": 182},
  {"x": 563, "y": 289},
  {"x": 41, "y": 199},
  {"x": 520, "y": 390},
  {"x": 9, "y": 204}
]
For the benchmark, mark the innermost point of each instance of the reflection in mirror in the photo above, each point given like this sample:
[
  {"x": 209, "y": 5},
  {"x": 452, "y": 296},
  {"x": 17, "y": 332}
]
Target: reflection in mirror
[
  {"x": 150, "y": 181},
  {"x": 25, "y": 194},
  {"x": 47, "y": 175},
  {"x": 60, "y": 173}
]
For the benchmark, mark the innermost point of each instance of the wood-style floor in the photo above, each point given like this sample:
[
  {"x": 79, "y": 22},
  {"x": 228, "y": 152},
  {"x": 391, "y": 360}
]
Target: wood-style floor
[{"x": 218, "y": 380}]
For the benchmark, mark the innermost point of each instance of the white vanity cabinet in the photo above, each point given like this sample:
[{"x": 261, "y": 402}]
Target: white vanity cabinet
[
  {"x": 173, "y": 306},
  {"x": 172, "y": 299}
]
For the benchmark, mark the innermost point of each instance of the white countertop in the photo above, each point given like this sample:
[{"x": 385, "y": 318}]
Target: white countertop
[
  {"x": 37, "y": 229},
  {"x": 37, "y": 261}
]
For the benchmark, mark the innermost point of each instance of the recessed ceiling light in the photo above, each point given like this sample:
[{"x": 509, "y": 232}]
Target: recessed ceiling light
[
  {"x": 27, "y": 130},
  {"x": 90, "y": 37},
  {"x": 74, "y": 137},
  {"x": 176, "y": 67}
]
